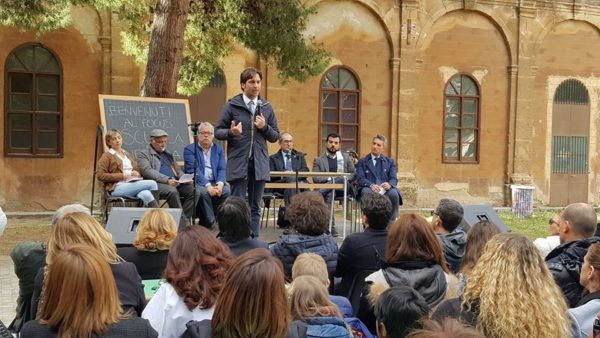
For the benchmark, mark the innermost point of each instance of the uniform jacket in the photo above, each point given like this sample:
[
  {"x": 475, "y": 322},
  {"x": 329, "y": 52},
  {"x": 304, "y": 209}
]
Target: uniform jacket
[
  {"x": 149, "y": 163},
  {"x": 298, "y": 162},
  {"x": 238, "y": 147},
  {"x": 321, "y": 164},
  {"x": 367, "y": 174},
  {"x": 217, "y": 163},
  {"x": 109, "y": 169}
]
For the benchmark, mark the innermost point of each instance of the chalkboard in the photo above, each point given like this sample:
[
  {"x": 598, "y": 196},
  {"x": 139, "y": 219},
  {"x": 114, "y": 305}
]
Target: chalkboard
[{"x": 136, "y": 117}]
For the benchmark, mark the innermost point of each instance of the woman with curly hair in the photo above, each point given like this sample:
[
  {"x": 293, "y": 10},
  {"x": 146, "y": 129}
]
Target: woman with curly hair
[
  {"x": 81, "y": 228},
  {"x": 155, "y": 233},
  {"x": 309, "y": 216},
  {"x": 81, "y": 300},
  {"x": 194, "y": 276},
  {"x": 510, "y": 293},
  {"x": 253, "y": 302}
]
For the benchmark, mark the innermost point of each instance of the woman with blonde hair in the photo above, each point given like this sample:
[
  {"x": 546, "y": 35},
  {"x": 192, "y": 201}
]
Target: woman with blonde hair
[
  {"x": 253, "y": 302},
  {"x": 510, "y": 293},
  {"x": 310, "y": 304},
  {"x": 81, "y": 228},
  {"x": 119, "y": 172},
  {"x": 81, "y": 300},
  {"x": 154, "y": 235}
]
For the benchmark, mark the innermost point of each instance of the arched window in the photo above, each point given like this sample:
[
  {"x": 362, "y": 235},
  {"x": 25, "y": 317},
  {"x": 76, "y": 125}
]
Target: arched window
[
  {"x": 33, "y": 103},
  {"x": 340, "y": 102},
  {"x": 461, "y": 120}
]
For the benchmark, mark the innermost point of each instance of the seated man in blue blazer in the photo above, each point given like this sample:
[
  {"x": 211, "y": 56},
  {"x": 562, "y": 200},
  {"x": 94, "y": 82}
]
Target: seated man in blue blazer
[
  {"x": 377, "y": 173},
  {"x": 210, "y": 162}
]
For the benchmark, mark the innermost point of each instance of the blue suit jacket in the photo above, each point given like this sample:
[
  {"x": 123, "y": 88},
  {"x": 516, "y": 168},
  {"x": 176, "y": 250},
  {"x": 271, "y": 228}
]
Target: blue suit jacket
[
  {"x": 217, "y": 161},
  {"x": 367, "y": 174}
]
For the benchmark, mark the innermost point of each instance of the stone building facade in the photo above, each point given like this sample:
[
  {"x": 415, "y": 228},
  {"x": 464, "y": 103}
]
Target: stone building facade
[{"x": 473, "y": 96}]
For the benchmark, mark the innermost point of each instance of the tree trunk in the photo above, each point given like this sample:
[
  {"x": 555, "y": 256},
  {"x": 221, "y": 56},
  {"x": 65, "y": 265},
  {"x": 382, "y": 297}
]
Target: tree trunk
[{"x": 165, "y": 49}]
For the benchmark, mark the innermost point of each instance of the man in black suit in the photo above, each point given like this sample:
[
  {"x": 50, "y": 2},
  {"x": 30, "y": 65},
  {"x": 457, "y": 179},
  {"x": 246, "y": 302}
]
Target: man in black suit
[{"x": 287, "y": 159}]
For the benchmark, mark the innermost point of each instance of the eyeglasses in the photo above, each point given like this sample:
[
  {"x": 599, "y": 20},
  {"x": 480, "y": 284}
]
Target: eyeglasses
[
  {"x": 205, "y": 133},
  {"x": 596, "y": 328},
  {"x": 287, "y": 141},
  {"x": 433, "y": 213},
  {"x": 552, "y": 221}
]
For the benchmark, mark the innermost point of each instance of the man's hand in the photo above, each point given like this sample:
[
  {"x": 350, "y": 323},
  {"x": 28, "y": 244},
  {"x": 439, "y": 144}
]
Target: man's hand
[
  {"x": 386, "y": 186},
  {"x": 236, "y": 129},
  {"x": 259, "y": 122},
  {"x": 375, "y": 188},
  {"x": 135, "y": 173},
  {"x": 172, "y": 182},
  {"x": 219, "y": 189},
  {"x": 212, "y": 191}
]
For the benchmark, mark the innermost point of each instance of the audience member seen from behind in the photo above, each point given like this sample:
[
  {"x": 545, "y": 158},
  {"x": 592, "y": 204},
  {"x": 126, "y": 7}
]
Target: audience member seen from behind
[
  {"x": 577, "y": 225},
  {"x": 194, "y": 276},
  {"x": 81, "y": 228},
  {"x": 589, "y": 305},
  {"x": 119, "y": 172},
  {"x": 510, "y": 293},
  {"x": 234, "y": 221},
  {"x": 310, "y": 304},
  {"x": 364, "y": 250},
  {"x": 28, "y": 257},
  {"x": 479, "y": 234},
  {"x": 413, "y": 257},
  {"x": 309, "y": 216},
  {"x": 399, "y": 310},
  {"x": 448, "y": 328},
  {"x": 547, "y": 244},
  {"x": 154, "y": 235},
  {"x": 310, "y": 264},
  {"x": 81, "y": 300},
  {"x": 253, "y": 302},
  {"x": 446, "y": 220}
]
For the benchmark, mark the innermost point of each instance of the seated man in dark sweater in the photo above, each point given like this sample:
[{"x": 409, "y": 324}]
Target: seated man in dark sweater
[
  {"x": 364, "y": 250},
  {"x": 446, "y": 220}
]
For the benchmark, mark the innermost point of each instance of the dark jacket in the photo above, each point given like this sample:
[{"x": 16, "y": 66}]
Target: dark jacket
[
  {"x": 326, "y": 327},
  {"x": 149, "y": 163},
  {"x": 217, "y": 163},
  {"x": 452, "y": 308},
  {"x": 288, "y": 247},
  {"x": 238, "y": 147},
  {"x": 359, "y": 251},
  {"x": 240, "y": 246},
  {"x": 564, "y": 262},
  {"x": 203, "y": 329},
  {"x": 149, "y": 264},
  {"x": 298, "y": 163},
  {"x": 133, "y": 327},
  {"x": 453, "y": 245},
  {"x": 367, "y": 174},
  {"x": 129, "y": 285},
  {"x": 28, "y": 257}
]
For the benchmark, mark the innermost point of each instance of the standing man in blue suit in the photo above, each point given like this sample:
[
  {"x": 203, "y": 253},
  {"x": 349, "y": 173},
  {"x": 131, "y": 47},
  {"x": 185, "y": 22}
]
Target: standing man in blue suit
[
  {"x": 247, "y": 123},
  {"x": 210, "y": 172},
  {"x": 377, "y": 173}
]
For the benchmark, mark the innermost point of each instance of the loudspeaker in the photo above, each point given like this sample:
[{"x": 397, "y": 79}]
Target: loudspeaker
[
  {"x": 122, "y": 223},
  {"x": 476, "y": 213}
]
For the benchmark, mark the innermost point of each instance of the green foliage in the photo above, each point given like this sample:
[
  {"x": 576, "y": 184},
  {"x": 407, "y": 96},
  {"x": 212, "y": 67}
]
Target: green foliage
[{"x": 272, "y": 28}]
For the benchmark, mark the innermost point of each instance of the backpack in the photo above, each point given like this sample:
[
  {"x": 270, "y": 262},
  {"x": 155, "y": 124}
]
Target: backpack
[{"x": 359, "y": 330}]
